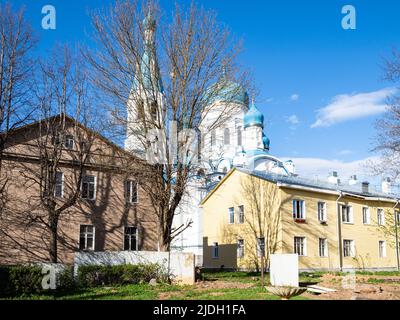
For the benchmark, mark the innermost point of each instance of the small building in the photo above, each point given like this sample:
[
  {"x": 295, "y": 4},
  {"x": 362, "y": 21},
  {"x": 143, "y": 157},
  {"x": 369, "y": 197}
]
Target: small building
[
  {"x": 112, "y": 211},
  {"x": 330, "y": 225}
]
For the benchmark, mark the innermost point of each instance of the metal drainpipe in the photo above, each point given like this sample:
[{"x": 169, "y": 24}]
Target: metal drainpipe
[
  {"x": 339, "y": 231},
  {"x": 397, "y": 236}
]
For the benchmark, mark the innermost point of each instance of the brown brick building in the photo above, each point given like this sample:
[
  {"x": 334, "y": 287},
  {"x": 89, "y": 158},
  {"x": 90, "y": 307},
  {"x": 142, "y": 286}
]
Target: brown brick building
[{"x": 111, "y": 211}]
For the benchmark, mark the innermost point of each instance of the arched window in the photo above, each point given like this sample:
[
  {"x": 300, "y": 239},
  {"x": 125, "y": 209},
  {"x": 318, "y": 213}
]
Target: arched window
[
  {"x": 227, "y": 136},
  {"x": 239, "y": 136},
  {"x": 213, "y": 138}
]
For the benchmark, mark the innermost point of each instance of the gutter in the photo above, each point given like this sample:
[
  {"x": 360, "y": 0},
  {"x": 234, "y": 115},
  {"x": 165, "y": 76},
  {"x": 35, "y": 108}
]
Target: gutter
[
  {"x": 396, "y": 236},
  {"x": 339, "y": 226}
]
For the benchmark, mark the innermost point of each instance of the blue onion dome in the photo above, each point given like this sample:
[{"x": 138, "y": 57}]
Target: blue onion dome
[
  {"x": 253, "y": 117},
  {"x": 266, "y": 141}
]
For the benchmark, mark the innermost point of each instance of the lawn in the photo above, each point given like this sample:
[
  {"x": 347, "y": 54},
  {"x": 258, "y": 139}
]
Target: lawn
[{"x": 216, "y": 286}]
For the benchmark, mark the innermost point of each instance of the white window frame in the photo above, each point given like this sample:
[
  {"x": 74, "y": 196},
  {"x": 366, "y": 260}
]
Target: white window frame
[
  {"x": 352, "y": 252},
  {"x": 130, "y": 240},
  {"x": 325, "y": 252},
  {"x": 213, "y": 138},
  {"x": 351, "y": 219},
  {"x": 324, "y": 216},
  {"x": 231, "y": 215},
  {"x": 128, "y": 191},
  {"x": 239, "y": 136},
  {"x": 240, "y": 248},
  {"x": 94, "y": 185},
  {"x": 56, "y": 184},
  {"x": 215, "y": 250},
  {"x": 86, "y": 237},
  {"x": 304, "y": 246},
  {"x": 69, "y": 142},
  {"x": 295, "y": 214},
  {"x": 366, "y": 215},
  {"x": 382, "y": 250},
  {"x": 241, "y": 214},
  {"x": 380, "y": 217}
]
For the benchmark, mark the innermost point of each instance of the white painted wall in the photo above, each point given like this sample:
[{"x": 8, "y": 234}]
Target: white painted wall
[
  {"x": 181, "y": 265},
  {"x": 284, "y": 270}
]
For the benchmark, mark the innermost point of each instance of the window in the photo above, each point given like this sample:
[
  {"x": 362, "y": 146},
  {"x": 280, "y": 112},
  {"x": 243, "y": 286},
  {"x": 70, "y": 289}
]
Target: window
[
  {"x": 215, "y": 250},
  {"x": 231, "y": 212},
  {"x": 86, "y": 239},
  {"x": 380, "y": 217},
  {"x": 59, "y": 185},
  {"x": 213, "y": 138},
  {"x": 261, "y": 247},
  {"x": 382, "y": 249},
  {"x": 348, "y": 248},
  {"x": 227, "y": 136},
  {"x": 240, "y": 248},
  {"x": 347, "y": 214},
  {"x": 397, "y": 217},
  {"x": 89, "y": 187},
  {"x": 130, "y": 239},
  {"x": 323, "y": 247},
  {"x": 300, "y": 246},
  {"x": 131, "y": 191},
  {"x": 241, "y": 214},
  {"x": 69, "y": 142},
  {"x": 239, "y": 136},
  {"x": 298, "y": 210},
  {"x": 322, "y": 211},
  {"x": 366, "y": 216}
]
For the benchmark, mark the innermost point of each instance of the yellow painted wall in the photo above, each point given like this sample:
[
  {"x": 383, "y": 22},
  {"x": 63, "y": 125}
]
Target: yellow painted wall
[{"x": 230, "y": 194}]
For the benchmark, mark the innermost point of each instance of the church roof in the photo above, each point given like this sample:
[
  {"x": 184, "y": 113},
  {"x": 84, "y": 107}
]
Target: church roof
[{"x": 227, "y": 91}]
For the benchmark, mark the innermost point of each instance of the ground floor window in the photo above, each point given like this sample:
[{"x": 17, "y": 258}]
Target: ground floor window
[
  {"x": 131, "y": 238},
  {"x": 240, "y": 248},
  {"x": 86, "y": 239},
  {"x": 382, "y": 249},
  {"x": 300, "y": 246},
  {"x": 348, "y": 248},
  {"x": 323, "y": 247},
  {"x": 261, "y": 247},
  {"x": 215, "y": 250}
]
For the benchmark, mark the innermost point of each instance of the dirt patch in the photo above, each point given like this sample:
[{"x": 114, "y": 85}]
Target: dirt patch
[
  {"x": 219, "y": 284},
  {"x": 365, "y": 288}
]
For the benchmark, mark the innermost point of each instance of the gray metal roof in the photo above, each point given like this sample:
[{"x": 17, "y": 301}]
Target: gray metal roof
[{"x": 320, "y": 184}]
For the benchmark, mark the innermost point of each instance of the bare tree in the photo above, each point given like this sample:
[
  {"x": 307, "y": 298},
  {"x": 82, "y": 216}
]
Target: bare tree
[
  {"x": 148, "y": 83},
  {"x": 61, "y": 144},
  {"x": 260, "y": 224},
  {"x": 16, "y": 43}
]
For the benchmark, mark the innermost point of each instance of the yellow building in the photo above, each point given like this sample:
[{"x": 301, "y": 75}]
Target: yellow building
[{"x": 330, "y": 226}]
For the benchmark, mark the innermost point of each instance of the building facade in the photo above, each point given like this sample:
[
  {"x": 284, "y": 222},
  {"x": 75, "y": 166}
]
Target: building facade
[
  {"x": 112, "y": 212},
  {"x": 331, "y": 226}
]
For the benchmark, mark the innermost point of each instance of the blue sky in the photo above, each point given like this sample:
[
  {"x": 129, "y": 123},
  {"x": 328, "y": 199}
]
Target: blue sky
[{"x": 321, "y": 86}]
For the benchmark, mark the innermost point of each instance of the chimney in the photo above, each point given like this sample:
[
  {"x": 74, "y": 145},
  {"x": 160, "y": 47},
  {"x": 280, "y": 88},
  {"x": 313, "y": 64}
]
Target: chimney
[
  {"x": 353, "y": 180},
  {"x": 333, "y": 177},
  {"x": 365, "y": 187},
  {"x": 386, "y": 185}
]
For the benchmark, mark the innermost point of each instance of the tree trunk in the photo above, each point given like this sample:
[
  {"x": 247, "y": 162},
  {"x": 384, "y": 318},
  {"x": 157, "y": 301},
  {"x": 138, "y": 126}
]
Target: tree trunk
[
  {"x": 262, "y": 271},
  {"x": 53, "y": 241}
]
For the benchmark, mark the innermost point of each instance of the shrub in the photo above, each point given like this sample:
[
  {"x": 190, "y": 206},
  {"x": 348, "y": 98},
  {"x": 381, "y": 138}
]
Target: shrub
[
  {"x": 27, "y": 280},
  {"x": 93, "y": 275}
]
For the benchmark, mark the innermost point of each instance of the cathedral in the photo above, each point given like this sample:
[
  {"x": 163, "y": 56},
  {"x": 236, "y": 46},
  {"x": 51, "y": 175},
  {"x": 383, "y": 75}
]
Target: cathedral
[{"x": 239, "y": 141}]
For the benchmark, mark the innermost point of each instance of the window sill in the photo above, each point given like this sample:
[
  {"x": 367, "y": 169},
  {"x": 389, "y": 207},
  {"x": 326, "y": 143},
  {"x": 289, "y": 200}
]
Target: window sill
[
  {"x": 347, "y": 222},
  {"x": 299, "y": 220}
]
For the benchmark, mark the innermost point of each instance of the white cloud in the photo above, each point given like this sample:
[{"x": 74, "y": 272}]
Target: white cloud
[
  {"x": 352, "y": 106},
  {"x": 317, "y": 167},
  {"x": 294, "y": 97},
  {"x": 293, "y": 119}
]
